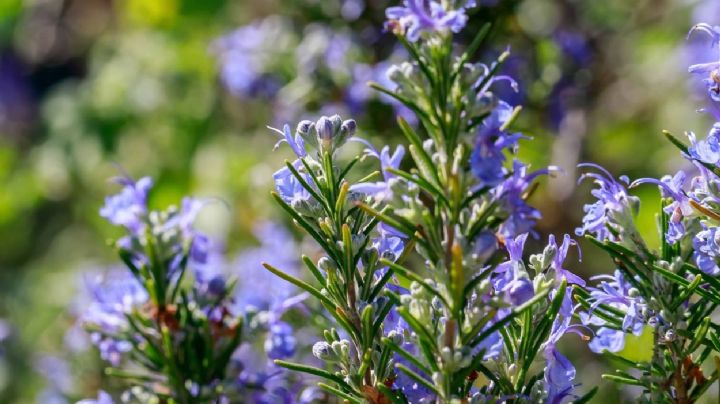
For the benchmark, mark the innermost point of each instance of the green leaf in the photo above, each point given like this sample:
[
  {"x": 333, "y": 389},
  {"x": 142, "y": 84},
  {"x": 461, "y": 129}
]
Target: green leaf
[
  {"x": 426, "y": 168},
  {"x": 406, "y": 273},
  {"x": 505, "y": 320},
  {"x": 316, "y": 372},
  {"x": 623, "y": 380},
  {"x": 309, "y": 188},
  {"x": 404, "y": 100},
  {"x": 420, "y": 329},
  {"x": 339, "y": 393},
  {"x": 422, "y": 183},
  {"x": 422, "y": 159},
  {"x": 407, "y": 355},
  {"x": 430, "y": 386},
  {"x": 480, "y": 38},
  {"x": 395, "y": 397},
  {"x": 380, "y": 319},
  {"x": 347, "y": 168},
  {"x": 680, "y": 145},
  {"x": 348, "y": 250},
  {"x": 313, "y": 269},
  {"x": 686, "y": 293},
  {"x": 380, "y": 285},
  {"x": 410, "y": 47},
  {"x": 699, "y": 336},
  {"x": 711, "y": 280},
  {"x": 407, "y": 228},
  {"x": 299, "y": 283},
  {"x": 673, "y": 277}
]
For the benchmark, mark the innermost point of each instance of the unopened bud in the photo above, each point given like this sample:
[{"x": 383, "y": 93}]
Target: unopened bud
[
  {"x": 325, "y": 130},
  {"x": 323, "y": 351}
]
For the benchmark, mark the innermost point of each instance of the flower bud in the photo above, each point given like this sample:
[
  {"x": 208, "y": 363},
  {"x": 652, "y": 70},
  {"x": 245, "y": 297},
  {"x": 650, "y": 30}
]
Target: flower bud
[
  {"x": 520, "y": 291},
  {"x": 336, "y": 121},
  {"x": 322, "y": 351},
  {"x": 304, "y": 128},
  {"x": 446, "y": 355},
  {"x": 325, "y": 132},
  {"x": 341, "y": 348},
  {"x": 216, "y": 286},
  {"x": 326, "y": 264},
  {"x": 396, "y": 337},
  {"x": 348, "y": 128},
  {"x": 416, "y": 289},
  {"x": 548, "y": 255},
  {"x": 437, "y": 378},
  {"x": 395, "y": 74}
]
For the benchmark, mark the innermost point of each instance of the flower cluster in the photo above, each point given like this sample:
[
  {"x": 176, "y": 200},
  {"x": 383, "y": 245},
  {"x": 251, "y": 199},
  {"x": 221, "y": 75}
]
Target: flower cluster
[
  {"x": 148, "y": 313},
  {"x": 418, "y": 289},
  {"x": 412, "y": 273},
  {"x": 417, "y": 16},
  {"x": 673, "y": 292},
  {"x": 174, "y": 314}
]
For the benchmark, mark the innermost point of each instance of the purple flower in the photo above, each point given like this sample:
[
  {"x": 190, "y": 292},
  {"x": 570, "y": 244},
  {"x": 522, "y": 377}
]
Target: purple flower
[
  {"x": 508, "y": 270},
  {"x": 559, "y": 371},
  {"x": 707, "y": 249},
  {"x": 559, "y": 376},
  {"x": 704, "y": 187},
  {"x": 289, "y": 188},
  {"x": 493, "y": 345},
  {"x": 614, "y": 207},
  {"x": 614, "y": 291},
  {"x": 559, "y": 258},
  {"x": 521, "y": 217},
  {"x": 520, "y": 290},
  {"x": 708, "y": 150},
  {"x": 280, "y": 342},
  {"x": 607, "y": 339},
  {"x": 259, "y": 380},
  {"x": 381, "y": 190},
  {"x": 128, "y": 208},
  {"x": 277, "y": 247},
  {"x": 396, "y": 328},
  {"x": 112, "y": 296},
  {"x": 488, "y": 156},
  {"x": 711, "y": 71},
  {"x": 389, "y": 244},
  {"x": 671, "y": 187},
  {"x": 296, "y": 143},
  {"x": 418, "y": 16}
]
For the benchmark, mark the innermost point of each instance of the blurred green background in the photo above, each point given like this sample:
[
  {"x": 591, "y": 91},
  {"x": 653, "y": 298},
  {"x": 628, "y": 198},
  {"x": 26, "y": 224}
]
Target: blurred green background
[{"x": 86, "y": 85}]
